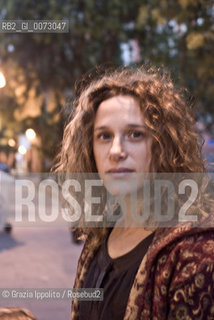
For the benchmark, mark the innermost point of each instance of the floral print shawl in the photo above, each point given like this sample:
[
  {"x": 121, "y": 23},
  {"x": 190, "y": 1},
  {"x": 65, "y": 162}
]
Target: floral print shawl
[{"x": 175, "y": 280}]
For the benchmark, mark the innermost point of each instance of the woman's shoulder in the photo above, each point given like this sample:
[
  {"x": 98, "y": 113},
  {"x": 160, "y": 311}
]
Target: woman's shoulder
[
  {"x": 185, "y": 270},
  {"x": 195, "y": 244},
  {"x": 189, "y": 257},
  {"x": 92, "y": 243}
]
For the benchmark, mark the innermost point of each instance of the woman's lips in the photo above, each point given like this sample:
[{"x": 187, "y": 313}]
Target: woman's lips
[{"x": 119, "y": 172}]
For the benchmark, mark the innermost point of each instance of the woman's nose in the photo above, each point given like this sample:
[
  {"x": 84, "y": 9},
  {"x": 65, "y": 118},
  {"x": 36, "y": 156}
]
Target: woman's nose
[{"x": 118, "y": 150}]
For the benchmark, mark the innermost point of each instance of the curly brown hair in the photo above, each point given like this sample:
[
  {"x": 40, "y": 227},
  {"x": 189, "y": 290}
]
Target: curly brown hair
[{"x": 176, "y": 146}]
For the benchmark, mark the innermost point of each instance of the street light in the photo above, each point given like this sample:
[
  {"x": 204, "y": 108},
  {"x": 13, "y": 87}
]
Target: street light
[
  {"x": 30, "y": 134},
  {"x": 22, "y": 150},
  {"x": 11, "y": 143},
  {"x": 2, "y": 80}
]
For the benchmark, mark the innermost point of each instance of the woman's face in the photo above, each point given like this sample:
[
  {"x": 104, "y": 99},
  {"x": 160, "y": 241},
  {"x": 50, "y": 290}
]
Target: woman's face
[{"x": 121, "y": 147}]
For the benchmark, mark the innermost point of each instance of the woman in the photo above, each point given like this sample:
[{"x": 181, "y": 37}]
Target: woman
[{"x": 126, "y": 124}]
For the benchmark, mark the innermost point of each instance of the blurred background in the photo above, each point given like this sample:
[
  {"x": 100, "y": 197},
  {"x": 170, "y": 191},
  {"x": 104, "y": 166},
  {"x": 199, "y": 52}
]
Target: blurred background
[{"x": 38, "y": 71}]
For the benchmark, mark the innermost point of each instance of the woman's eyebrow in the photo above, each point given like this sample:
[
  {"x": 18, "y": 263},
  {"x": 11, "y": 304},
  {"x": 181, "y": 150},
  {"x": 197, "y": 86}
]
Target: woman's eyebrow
[
  {"x": 134, "y": 125},
  {"x": 101, "y": 128},
  {"x": 128, "y": 125}
]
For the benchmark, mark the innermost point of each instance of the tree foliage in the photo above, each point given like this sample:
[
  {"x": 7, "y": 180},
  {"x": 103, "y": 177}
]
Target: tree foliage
[
  {"x": 42, "y": 69},
  {"x": 180, "y": 34}
]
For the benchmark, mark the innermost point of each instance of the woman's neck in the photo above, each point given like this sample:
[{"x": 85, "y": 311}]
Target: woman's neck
[{"x": 132, "y": 210}]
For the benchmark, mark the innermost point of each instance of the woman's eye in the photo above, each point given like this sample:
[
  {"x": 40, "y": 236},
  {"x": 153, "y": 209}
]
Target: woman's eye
[
  {"x": 104, "y": 136},
  {"x": 136, "y": 134}
]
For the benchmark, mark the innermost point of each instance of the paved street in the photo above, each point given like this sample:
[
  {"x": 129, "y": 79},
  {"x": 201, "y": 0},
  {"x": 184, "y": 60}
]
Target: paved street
[{"x": 39, "y": 258}]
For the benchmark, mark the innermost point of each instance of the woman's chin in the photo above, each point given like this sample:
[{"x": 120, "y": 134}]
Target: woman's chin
[
  {"x": 124, "y": 184},
  {"x": 119, "y": 187}
]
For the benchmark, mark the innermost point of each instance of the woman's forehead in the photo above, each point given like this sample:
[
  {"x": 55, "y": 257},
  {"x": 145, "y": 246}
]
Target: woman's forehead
[{"x": 120, "y": 109}]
